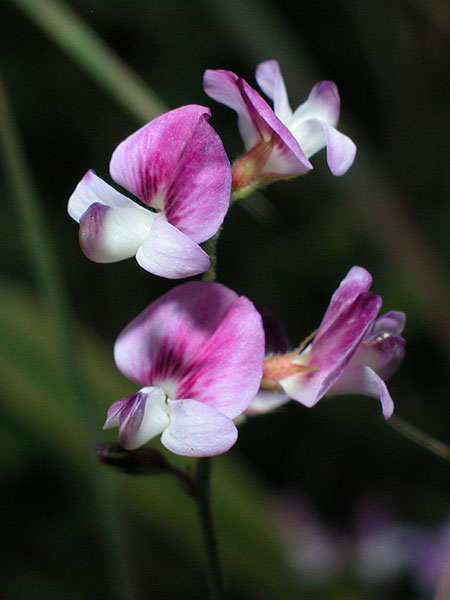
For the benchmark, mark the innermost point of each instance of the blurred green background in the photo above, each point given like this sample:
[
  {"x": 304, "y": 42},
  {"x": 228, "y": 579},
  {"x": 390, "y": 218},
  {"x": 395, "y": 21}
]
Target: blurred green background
[{"x": 75, "y": 530}]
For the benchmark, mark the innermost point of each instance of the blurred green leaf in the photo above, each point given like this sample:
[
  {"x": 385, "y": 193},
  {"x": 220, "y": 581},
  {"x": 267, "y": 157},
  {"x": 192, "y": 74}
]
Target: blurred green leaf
[{"x": 86, "y": 48}]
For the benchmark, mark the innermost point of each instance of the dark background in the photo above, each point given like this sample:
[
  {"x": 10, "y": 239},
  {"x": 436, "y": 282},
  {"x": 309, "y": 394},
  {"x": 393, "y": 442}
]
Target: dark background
[{"x": 286, "y": 248}]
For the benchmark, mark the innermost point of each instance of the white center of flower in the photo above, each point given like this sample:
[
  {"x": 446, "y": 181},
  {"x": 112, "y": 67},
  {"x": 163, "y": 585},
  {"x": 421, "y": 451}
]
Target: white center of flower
[
  {"x": 123, "y": 231},
  {"x": 155, "y": 418}
]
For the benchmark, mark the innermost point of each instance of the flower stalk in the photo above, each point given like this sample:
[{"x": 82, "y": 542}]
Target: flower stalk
[{"x": 215, "y": 576}]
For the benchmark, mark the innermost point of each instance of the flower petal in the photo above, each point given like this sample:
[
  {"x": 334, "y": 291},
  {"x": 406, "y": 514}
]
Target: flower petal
[
  {"x": 227, "y": 371},
  {"x": 223, "y": 86},
  {"x": 323, "y": 103},
  {"x": 177, "y": 164},
  {"x": 356, "y": 282},
  {"x": 196, "y": 429},
  {"x": 142, "y": 417},
  {"x": 256, "y": 121},
  {"x": 383, "y": 354},
  {"x": 170, "y": 332},
  {"x": 270, "y": 80},
  {"x": 331, "y": 352},
  {"x": 360, "y": 379},
  {"x": 92, "y": 189},
  {"x": 313, "y": 135},
  {"x": 168, "y": 252},
  {"x": 392, "y": 322},
  {"x": 110, "y": 234}
]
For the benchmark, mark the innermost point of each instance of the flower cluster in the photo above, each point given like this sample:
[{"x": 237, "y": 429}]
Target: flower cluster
[{"x": 201, "y": 355}]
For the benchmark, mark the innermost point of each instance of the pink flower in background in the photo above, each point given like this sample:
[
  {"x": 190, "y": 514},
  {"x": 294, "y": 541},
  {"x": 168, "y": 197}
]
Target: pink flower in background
[
  {"x": 177, "y": 166},
  {"x": 198, "y": 352},
  {"x": 352, "y": 352},
  {"x": 279, "y": 142}
]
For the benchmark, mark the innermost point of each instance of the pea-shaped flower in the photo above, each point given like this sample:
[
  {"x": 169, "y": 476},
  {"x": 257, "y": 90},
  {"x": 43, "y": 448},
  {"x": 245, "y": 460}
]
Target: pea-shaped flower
[
  {"x": 176, "y": 165},
  {"x": 198, "y": 354},
  {"x": 279, "y": 142},
  {"x": 352, "y": 352}
]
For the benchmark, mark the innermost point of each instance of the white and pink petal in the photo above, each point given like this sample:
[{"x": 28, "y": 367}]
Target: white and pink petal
[
  {"x": 270, "y": 80},
  {"x": 140, "y": 417},
  {"x": 110, "y": 234},
  {"x": 196, "y": 429},
  {"x": 323, "y": 103},
  {"x": 361, "y": 379},
  {"x": 167, "y": 252},
  {"x": 92, "y": 189}
]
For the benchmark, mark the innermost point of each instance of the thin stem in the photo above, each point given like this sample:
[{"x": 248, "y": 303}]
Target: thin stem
[
  {"x": 202, "y": 478},
  {"x": 419, "y": 437},
  {"x": 215, "y": 577},
  {"x": 210, "y": 247}
]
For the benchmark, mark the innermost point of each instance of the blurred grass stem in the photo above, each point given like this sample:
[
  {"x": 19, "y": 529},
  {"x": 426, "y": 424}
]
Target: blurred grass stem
[
  {"x": 94, "y": 56},
  {"x": 419, "y": 437},
  {"x": 42, "y": 258}
]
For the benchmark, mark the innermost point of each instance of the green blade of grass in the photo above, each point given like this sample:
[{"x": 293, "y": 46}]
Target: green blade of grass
[{"x": 93, "y": 55}]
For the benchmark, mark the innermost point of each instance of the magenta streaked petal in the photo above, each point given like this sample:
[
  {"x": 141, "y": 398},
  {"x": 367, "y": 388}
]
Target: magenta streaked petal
[
  {"x": 256, "y": 121},
  {"x": 177, "y": 164},
  {"x": 360, "y": 379},
  {"x": 169, "y": 253},
  {"x": 323, "y": 103},
  {"x": 92, "y": 189},
  {"x": 357, "y": 281},
  {"x": 270, "y": 80},
  {"x": 331, "y": 353},
  {"x": 196, "y": 429},
  {"x": 383, "y": 354},
  {"x": 223, "y": 86},
  {"x": 198, "y": 197},
  {"x": 287, "y": 158},
  {"x": 227, "y": 371},
  {"x": 144, "y": 416},
  {"x": 392, "y": 322},
  {"x": 111, "y": 234},
  {"x": 168, "y": 334}
]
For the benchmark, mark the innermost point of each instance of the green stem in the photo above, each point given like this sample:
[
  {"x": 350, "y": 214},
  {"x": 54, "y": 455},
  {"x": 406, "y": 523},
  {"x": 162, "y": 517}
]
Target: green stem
[
  {"x": 202, "y": 487},
  {"x": 210, "y": 247},
  {"x": 215, "y": 577},
  {"x": 419, "y": 437}
]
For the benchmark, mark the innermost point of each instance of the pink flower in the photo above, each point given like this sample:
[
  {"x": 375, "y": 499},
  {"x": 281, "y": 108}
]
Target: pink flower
[
  {"x": 279, "y": 142},
  {"x": 352, "y": 352},
  {"x": 198, "y": 352},
  {"x": 177, "y": 166}
]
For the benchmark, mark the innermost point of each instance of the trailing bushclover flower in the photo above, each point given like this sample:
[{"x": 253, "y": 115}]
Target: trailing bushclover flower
[
  {"x": 198, "y": 354},
  {"x": 177, "y": 166},
  {"x": 279, "y": 142},
  {"x": 352, "y": 351}
]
